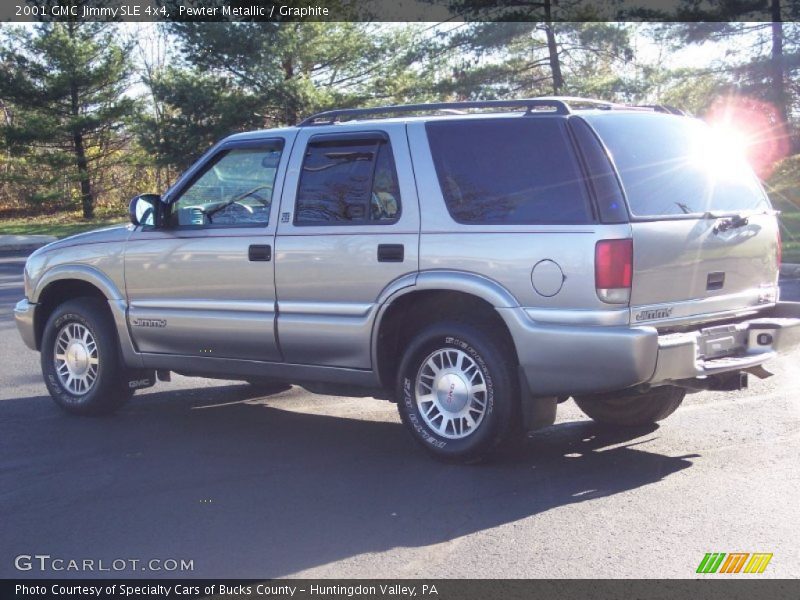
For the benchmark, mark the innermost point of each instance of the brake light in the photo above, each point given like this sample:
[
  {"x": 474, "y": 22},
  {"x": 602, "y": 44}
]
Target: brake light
[{"x": 613, "y": 270}]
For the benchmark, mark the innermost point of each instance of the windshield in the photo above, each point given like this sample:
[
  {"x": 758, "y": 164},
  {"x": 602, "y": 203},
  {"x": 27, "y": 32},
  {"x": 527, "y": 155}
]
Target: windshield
[{"x": 673, "y": 165}]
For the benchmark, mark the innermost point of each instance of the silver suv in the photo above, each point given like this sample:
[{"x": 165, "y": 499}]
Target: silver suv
[{"x": 477, "y": 263}]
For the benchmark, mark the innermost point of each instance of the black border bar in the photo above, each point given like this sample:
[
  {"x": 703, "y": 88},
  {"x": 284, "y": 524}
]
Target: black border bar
[
  {"x": 394, "y": 11},
  {"x": 711, "y": 587}
]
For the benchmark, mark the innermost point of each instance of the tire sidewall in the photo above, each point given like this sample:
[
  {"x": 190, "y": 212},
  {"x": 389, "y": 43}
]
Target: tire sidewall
[
  {"x": 631, "y": 409},
  {"x": 108, "y": 391},
  {"x": 499, "y": 391}
]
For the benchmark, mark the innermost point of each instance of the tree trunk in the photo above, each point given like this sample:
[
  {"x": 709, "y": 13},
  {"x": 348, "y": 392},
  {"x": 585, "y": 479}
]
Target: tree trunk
[
  {"x": 777, "y": 73},
  {"x": 552, "y": 49},
  {"x": 87, "y": 200},
  {"x": 291, "y": 113}
]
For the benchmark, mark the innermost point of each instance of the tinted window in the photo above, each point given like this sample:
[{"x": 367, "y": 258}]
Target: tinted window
[
  {"x": 348, "y": 182},
  {"x": 508, "y": 171},
  {"x": 235, "y": 190},
  {"x": 673, "y": 165},
  {"x": 602, "y": 179}
]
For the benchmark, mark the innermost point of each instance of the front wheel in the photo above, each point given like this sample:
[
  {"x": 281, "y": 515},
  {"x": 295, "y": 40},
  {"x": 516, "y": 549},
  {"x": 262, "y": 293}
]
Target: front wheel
[
  {"x": 632, "y": 409},
  {"x": 80, "y": 359},
  {"x": 457, "y": 392}
]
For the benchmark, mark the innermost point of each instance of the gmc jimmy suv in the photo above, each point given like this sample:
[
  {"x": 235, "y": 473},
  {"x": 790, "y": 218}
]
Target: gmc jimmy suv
[{"x": 475, "y": 262}]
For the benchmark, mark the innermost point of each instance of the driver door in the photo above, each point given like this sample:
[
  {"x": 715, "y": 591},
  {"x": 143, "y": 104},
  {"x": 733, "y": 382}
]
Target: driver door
[{"x": 204, "y": 284}]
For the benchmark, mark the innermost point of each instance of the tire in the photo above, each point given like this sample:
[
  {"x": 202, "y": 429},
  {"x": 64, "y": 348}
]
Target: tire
[
  {"x": 632, "y": 409},
  {"x": 471, "y": 358},
  {"x": 98, "y": 383}
]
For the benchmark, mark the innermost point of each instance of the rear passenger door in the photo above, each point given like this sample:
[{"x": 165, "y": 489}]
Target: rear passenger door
[{"x": 348, "y": 228}]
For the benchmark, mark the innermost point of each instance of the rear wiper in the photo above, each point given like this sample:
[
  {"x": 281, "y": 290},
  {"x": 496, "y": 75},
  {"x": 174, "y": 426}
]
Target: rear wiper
[
  {"x": 709, "y": 214},
  {"x": 734, "y": 220},
  {"x": 728, "y": 223}
]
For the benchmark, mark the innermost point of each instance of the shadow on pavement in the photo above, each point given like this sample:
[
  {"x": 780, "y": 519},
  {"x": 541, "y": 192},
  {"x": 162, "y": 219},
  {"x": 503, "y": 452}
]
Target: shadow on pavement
[{"x": 246, "y": 490}]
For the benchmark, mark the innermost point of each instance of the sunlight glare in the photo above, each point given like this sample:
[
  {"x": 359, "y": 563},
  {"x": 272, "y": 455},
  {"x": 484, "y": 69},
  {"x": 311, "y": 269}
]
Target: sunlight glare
[{"x": 722, "y": 150}]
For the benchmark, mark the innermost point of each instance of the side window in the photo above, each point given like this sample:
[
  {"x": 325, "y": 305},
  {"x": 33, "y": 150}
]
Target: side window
[
  {"x": 509, "y": 171},
  {"x": 347, "y": 183},
  {"x": 235, "y": 190}
]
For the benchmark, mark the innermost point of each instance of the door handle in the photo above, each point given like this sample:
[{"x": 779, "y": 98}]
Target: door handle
[
  {"x": 715, "y": 281},
  {"x": 260, "y": 252},
  {"x": 391, "y": 252}
]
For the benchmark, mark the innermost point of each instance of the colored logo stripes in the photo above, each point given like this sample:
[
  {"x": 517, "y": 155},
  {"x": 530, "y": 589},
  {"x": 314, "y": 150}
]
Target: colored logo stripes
[{"x": 735, "y": 562}]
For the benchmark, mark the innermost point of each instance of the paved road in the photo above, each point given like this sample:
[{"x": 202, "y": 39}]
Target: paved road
[{"x": 291, "y": 484}]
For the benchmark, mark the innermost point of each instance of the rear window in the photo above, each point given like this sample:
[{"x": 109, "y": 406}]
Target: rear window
[
  {"x": 508, "y": 171},
  {"x": 675, "y": 165}
]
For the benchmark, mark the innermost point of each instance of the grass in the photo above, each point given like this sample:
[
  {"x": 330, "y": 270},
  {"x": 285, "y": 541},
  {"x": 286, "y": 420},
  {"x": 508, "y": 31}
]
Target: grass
[
  {"x": 61, "y": 225},
  {"x": 784, "y": 191}
]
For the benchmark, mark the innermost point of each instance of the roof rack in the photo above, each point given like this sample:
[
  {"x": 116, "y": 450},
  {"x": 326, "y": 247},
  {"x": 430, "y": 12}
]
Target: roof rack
[
  {"x": 559, "y": 105},
  {"x": 576, "y": 101},
  {"x": 531, "y": 105},
  {"x": 664, "y": 108}
]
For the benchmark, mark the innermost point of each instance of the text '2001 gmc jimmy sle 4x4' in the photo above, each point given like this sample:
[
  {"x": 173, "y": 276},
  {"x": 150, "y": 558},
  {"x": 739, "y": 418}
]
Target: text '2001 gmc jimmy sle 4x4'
[{"x": 475, "y": 262}]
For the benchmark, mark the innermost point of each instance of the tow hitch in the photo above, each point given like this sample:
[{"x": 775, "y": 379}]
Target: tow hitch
[{"x": 724, "y": 382}]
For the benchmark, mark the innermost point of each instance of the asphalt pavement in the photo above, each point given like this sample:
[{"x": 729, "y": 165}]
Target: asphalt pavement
[{"x": 290, "y": 484}]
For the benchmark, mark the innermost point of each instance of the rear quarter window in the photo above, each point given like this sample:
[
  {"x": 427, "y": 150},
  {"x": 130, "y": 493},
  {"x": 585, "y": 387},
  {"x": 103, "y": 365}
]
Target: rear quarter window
[{"x": 509, "y": 171}]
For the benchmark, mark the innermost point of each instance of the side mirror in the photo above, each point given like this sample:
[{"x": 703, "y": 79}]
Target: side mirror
[{"x": 146, "y": 209}]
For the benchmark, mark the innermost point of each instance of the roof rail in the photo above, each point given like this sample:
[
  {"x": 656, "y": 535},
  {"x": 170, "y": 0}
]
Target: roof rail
[
  {"x": 575, "y": 101},
  {"x": 559, "y": 105},
  {"x": 531, "y": 105},
  {"x": 664, "y": 108}
]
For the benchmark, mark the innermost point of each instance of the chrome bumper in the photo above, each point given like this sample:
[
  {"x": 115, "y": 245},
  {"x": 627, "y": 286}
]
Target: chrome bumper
[
  {"x": 569, "y": 360},
  {"x": 23, "y": 315},
  {"x": 734, "y": 347}
]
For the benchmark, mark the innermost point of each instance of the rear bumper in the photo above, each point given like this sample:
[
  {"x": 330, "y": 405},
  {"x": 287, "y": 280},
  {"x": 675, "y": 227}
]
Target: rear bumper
[
  {"x": 565, "y": 360},
  {"x": 23, "y": 316},
  {"x": 735, "y": 347}
]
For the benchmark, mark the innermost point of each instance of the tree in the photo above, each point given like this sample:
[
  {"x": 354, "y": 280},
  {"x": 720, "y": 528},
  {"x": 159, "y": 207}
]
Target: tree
[
  {"x": 766, "y": 61},
  {"x": 66, "y": 82},
  {"x": 513, "y": 59},
  {"x": 244, "y": 75},
  {"x": 298, "y": 68},
  {"x": 195, "y": 111},
  {"x": 547, "y": 24}
]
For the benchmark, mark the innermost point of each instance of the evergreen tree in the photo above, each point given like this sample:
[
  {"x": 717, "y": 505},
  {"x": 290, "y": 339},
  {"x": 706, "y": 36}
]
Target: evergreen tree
[
  {"x": 766, "y": 61},
  {"x": 244, "y": 75},
  {"x": 65, "y": 82},
  {"x": 516, "y": 59}
]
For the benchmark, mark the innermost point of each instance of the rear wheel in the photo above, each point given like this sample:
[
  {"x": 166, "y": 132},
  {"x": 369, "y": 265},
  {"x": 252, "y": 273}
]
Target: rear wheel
[
  {"x": 632, "y": 409},
  {"x": 80, "y": 359},
  {"x": 457, "y": 391}
]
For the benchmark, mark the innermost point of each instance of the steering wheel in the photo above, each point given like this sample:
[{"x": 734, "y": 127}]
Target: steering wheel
[{"x": 239, "y": 198}]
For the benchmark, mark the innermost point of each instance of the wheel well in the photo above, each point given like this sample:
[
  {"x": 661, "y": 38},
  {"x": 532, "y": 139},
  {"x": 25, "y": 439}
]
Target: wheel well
[
  {"x": 57, "y": 293},
  {"x": 409, "y": 313}
]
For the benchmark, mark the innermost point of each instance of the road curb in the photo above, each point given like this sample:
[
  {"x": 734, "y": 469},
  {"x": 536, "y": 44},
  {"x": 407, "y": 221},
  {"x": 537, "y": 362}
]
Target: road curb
[{"x": 24, "y": 243}]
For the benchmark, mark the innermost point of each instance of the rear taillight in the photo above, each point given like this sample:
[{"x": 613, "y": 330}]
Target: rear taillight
[{"x": 613, "y": 270}]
